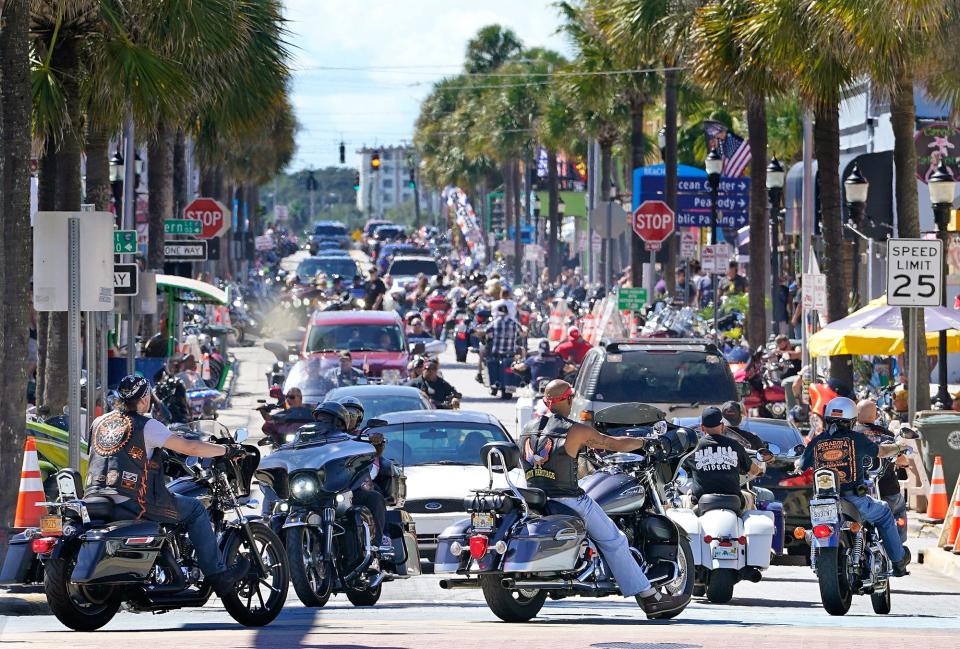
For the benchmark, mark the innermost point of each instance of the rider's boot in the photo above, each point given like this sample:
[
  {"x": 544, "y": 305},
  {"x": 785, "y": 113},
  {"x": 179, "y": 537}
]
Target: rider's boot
[
  {"x": 659, "y": 603},
  {"x": 900, "y": 568},
  {"x": 223, "y": 582}
]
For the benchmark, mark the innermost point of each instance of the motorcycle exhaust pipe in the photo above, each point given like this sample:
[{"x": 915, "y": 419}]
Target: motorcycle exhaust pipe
[
  {"x": 751, "y": 574},
  {"x": 459, "y": 584},
  {"x": 565, "y": 584}
]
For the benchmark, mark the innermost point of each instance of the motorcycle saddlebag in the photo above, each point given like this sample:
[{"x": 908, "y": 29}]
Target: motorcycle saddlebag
[
  {"x": 19, "y": 560},
  {"x": 403, "y": 533},
  {"x": 759, "y": 528},
  {"x": 445, "y": 560},
  {"x": 547, "y": 544},
  {"x": 122, "y": 553}
]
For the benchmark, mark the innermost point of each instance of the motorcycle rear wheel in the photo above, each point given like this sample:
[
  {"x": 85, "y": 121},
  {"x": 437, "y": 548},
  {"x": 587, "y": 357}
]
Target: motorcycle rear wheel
[
  {"x": 511, "y": 605},
  {"x": 312, "y": 579},
  {"x": 720, "y": 585},
  {"x": 835, "y": 592},
  {"x": 881, "y": 601},
  {"x": 78, "y": 607},
  {"x": 246, "y": 603}
]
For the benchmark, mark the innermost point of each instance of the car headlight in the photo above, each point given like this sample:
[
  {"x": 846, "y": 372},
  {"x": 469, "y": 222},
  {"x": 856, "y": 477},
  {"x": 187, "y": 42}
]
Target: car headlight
[{"x": 304, "y": 487}]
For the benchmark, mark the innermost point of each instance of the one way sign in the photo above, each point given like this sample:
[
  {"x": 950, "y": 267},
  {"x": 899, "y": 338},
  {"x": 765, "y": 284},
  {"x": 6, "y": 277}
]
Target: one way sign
[{"x": 125, "y": 279}]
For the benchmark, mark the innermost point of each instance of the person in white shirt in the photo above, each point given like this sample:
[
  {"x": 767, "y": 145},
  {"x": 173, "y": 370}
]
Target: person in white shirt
[{"x": 505, "y": 299}]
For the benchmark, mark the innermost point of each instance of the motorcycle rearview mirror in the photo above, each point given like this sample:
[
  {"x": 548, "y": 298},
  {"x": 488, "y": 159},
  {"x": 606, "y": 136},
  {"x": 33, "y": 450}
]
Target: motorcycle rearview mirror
[
  {"x": 660, "y": 427},
  {"x": 240, "y": 435},
  {"x": 276, "y": 392},
  {"x": 265, "y": 441},
  {"x": 418, "y": 348},
  {"x": 277, "y": 348},
  {"x": 765, "y": 455},
  {"x": 799, "y": 449},
  {"x": 908, "y": 433}
]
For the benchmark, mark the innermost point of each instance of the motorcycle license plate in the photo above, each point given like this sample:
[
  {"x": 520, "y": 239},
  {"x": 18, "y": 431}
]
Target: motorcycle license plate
[
  {"x": 826, "y": 513},
  {"x": 724, "y": 552},
  {"x": 51, "y": 525},
  {"x": 481, "y": 521}
]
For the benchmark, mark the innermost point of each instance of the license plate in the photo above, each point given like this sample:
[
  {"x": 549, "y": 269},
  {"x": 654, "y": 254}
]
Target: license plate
[
  {"x": 482, "y": 521},
  {"x": 51, "y": 525},
  {"x": 724, "y": 552},
  {"x": 820, "y": 514}
]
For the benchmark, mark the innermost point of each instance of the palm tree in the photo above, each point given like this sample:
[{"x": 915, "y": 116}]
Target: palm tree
[{"x": 491, "y": 48}]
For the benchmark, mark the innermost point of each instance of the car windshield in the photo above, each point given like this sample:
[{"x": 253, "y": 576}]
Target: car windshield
[
  {"x": 401, "y": 267},
  {"x": 330, "y": 230},
  {"x": 664, "y": 377},
  {"x": 310, "y": 267},
  {"x": 783, "y": 437},
  {"x": 355, "y": 337},
  {"x": 374, "y": 406},
  {"x": 454, "y": 443}
]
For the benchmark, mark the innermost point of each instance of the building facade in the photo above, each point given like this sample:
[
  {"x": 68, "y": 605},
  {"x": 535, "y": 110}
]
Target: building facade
[{"x": 389, "y": 186}]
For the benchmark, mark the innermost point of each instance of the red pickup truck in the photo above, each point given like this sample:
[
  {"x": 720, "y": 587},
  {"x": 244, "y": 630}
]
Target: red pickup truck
[{"x": 375, "y": 339}]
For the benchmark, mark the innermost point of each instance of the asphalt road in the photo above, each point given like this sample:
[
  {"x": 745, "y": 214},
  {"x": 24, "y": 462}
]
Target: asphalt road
[{"x": 781, "y": 611}]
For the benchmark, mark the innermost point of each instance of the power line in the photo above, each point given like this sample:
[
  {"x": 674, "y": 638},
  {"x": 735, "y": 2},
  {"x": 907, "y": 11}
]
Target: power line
[{"x": 405, "y": 70}]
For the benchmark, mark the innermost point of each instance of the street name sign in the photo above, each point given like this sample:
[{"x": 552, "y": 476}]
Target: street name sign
[
  {"x": 653, "y": 221},
  {"x": 125, "y": 279},
  {"x": 124, "y": 242},
  {"x": 185, "y": 250},
  {"x": 914, "y": 272},
  {"x": 631, "y": 299},
  {"x": 183, "y": 226},
  {"x": 211, "y": 214},
  {"x": 693, "y": 198}
]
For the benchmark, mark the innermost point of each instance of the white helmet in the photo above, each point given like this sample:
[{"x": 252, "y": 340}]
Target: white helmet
[{"x": 840, "y": 410}]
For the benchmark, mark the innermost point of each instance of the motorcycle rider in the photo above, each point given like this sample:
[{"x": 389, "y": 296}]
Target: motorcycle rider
[
  {"x": 542, "y": 364},
  {"x": 122, "y": 468},
  {"x": 788, "y": 353},
  {"x": 847, "y": 451},
  {"x": 345, "y": 373},
  {"x": 501, "y": 344},
  {"x": 574, "y": 348},
  {"x": 438, "y": 390},
  {"x": 550, "y": 446},
  {"x": 719, "y": 460},
  {"x": 888, "y": 482}
]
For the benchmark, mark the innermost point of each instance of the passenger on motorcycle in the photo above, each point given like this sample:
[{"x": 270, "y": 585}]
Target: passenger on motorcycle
[
  {"x": 173, "y": 393},
  {"x": 345, "y": 373},
  {"x": 123, "y": 469},
  {"x": 437, "y": 389},
  {"x": 574, "y": 348},
  {"x": 847, "y": 452},
  {"x": 550, "y": 447},
  {"x": 888, "y": 482},
  {"x": 542, "y": 364},
  {"x": 719, "y": 460}
]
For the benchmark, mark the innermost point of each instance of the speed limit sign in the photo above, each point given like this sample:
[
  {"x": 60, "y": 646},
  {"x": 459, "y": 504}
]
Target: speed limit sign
[{"x": 914, "y": 272}]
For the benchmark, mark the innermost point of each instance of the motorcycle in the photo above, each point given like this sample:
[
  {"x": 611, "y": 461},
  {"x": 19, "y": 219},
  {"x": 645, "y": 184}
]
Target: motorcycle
[
  {"x": 846, "y": 552},
  {"x": 728, "y": 544},
  {"x": 94, "y": 563},
  {"x": 328, "y": 539},
  {"x": 519, "y": 548},
  {"x": 762, "y": 397},
  {"x": 283, "y": 425}
]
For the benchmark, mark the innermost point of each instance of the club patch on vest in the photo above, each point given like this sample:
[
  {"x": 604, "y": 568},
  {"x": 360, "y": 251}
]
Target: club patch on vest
[
  {"x": 538, "y": 457},
  {"x": 129, "y": 480},
  {"x": 112, "y": 433},
  {"x": 112, "y": 476},
  {"x": 136, "y": 453}
]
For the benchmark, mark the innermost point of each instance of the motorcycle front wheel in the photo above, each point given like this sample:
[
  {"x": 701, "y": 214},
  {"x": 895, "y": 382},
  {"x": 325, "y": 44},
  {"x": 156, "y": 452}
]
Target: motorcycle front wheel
[
  {"x": 511, "y": 605},
  {"x": 257, "y": 598},
  {"x": 312, "y": 578},
  {"x": 835, "y": 591},
  {"x": 78, "y": 607}
]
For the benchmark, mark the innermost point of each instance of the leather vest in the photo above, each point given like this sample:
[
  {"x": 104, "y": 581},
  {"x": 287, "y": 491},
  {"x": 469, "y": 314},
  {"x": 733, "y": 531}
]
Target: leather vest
[
  {"x": 119, "y": 467},
  {"x": 545, "y": 461}
]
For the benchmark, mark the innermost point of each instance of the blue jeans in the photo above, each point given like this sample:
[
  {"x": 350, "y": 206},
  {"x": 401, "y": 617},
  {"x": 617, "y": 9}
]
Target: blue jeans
[
  {"x": 612, "y": 544},
  {"x": 879, "y": 515},
  {"x": 495, "y": 367},
  {"x": 200, "y": 530}
]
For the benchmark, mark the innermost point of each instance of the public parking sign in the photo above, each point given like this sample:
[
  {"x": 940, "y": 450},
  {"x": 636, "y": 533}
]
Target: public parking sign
[
  {"x": 185, "y": 250},
  {"x": 914, "y": 272}
]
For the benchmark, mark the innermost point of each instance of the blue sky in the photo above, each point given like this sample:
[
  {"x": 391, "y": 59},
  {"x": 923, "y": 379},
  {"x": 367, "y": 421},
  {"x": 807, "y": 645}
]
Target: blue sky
[{"x": 402, "y": 48}]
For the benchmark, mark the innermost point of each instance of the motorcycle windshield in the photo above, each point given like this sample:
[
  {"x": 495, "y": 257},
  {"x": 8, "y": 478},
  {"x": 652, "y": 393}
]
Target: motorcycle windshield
[{"x": 318, "y": 455}]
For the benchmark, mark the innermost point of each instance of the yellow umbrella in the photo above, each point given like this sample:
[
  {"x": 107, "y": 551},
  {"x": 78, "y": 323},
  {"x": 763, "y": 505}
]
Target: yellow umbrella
[{"x": 876, "y": 330}]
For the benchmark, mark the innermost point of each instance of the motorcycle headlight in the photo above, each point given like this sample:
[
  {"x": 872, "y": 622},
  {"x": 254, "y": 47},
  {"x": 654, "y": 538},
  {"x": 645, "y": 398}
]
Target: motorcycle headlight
[{"x": 304, "y": 487}]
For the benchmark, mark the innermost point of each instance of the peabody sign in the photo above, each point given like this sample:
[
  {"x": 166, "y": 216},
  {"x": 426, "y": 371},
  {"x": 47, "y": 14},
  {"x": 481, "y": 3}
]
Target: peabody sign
[{"x": 934, "y": 142}]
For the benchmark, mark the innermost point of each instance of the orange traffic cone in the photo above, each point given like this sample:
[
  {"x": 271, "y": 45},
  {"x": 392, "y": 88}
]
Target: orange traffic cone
[
  {"x": 31, "y": 489},
  {"x": 954, "y": 522},
  {"x": 937, "y": 508}
]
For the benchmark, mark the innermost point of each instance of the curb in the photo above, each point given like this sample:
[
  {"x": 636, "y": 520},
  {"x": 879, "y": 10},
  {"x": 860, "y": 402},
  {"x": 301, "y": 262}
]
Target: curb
[
  {"x": 18, "y": 604},
  {"x": 940, "y": 560}
]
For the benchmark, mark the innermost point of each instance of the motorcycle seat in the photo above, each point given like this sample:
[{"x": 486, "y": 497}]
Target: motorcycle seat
[
  {"x": 101, "y": 509},
  {"x": 710, "y": 502},
  {"x": 536, "y": 498}
]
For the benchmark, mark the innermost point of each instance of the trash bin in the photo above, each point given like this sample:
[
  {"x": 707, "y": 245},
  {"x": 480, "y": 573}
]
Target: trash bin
[{"x": 941, "y": 436}]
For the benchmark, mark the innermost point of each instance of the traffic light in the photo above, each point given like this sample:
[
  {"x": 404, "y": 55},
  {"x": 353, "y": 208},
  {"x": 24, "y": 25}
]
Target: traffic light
[
  {"x": 311, "y": 182},
  {"x": 375, "y": 162},
  {"x": 413, "y": 179},
  {"x": 343, "y": 153},
  {"x": 356, "y": 182}
]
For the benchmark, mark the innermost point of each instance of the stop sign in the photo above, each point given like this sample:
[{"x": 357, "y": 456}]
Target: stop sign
[
  {"x": 211, "y": 213},
  {"x": 653, "y": 221}
]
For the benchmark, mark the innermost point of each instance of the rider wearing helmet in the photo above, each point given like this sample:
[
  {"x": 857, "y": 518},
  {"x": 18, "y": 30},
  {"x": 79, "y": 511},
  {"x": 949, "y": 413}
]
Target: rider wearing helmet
[
  {"x": 355, "y": 409},
  {"x": 330, "y": 419},
  {"x": 847, "y": 452}
]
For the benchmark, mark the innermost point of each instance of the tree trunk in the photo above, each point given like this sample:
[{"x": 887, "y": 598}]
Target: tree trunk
[
  {"x": 672, "y": 249},
  {"x": 66, "y": 199},
  {"x": 826, "y": 145},
  {"x": 903, "y": 121},
  {"x": 553, "y": 210},
  {"x": 46, "y": 201},
  {"x": 518, "y": 187},
  {"x": 606, "y": 181},
  {"x": 757, "y": 128},
  {"x": 16, "y": 266},
  {"x": 636, "y": 160},
  {"x": 160, "y": 186},
  {"x": 99, "y": 191},
  {"x": 180, "y": 180}
]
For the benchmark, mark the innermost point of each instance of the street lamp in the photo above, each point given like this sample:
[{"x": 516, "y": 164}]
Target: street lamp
[
  {"x": 662, "y": 142},
  {"x": 714, "y": 165},
  {"x": 941, "y": 186},
  {"x": 116, "y": 183},
  {"x": 856, "y": 188},
  {"x": 776, "y": 176}
]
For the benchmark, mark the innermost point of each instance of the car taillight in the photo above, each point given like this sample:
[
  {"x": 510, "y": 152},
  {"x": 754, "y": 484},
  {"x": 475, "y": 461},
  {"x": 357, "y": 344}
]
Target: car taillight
[
  {"x": 822, "y": 531},
  {"x": 43, "y": 545},
  {"x": 478, "y": 546},
  {"x": 805, "y": 479}
]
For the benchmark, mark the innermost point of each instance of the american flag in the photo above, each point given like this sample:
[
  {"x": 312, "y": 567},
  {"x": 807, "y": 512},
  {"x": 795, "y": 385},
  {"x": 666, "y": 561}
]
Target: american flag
[{"x": 736, "y": 154}]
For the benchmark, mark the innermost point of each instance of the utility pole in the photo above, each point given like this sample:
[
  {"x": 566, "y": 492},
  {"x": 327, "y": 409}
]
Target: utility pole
[{"x": 130, "y": 223}]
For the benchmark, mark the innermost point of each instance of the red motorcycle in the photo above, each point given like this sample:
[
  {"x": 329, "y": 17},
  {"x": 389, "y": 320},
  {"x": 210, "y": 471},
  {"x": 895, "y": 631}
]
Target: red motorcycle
[
  {"x": 435, "y": 315},
  {"x": 761, "y": 395}
]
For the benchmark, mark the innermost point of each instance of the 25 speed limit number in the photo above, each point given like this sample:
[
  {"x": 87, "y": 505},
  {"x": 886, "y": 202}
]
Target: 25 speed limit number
[{"x": 914, "y": 272}]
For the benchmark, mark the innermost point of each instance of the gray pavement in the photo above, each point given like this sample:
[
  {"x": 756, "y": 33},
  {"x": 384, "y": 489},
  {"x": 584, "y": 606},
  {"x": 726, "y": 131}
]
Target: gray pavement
[{"x": 782, "y": 610}]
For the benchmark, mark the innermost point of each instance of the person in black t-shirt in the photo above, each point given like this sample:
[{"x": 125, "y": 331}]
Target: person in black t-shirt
[
  {"x": 374, "y": 290},
  {"x": 718, "y": 460}
]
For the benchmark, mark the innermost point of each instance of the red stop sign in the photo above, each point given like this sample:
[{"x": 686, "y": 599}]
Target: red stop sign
[
  {"x": 211, "y": 213},
  {"x": 653, "y": 221}
]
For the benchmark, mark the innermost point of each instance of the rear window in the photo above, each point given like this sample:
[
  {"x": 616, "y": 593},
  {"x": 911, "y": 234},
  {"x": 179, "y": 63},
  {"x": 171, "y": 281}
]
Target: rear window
[
  {"x": 330, "y": 230},
  {"x": 374, "y": 407},
  {"x": 453, "y": 443},
  {"x": 388, "y": 232},
  {"x": 343, "y": 266},
  {"x": 664, "y": 377},
  {"x": 355, "y": 338},
  {"x": 414, "y": 267}
]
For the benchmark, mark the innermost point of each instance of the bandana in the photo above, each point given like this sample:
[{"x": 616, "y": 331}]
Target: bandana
[{"x": 549, "y": 401}]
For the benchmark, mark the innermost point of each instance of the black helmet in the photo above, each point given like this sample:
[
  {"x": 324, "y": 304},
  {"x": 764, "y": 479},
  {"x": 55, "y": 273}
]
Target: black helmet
[
  {"x": 337, "y": 412},
  {"x": 355, "y": 407},
  {"x": 132, "y": 388}
]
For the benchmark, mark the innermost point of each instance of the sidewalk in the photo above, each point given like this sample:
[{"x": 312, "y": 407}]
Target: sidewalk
[{"x": 923, "y": 543}]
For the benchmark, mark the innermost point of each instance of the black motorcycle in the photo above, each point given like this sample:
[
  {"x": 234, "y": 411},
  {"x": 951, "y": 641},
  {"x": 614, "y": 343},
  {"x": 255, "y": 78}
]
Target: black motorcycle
[
  {"x": 329, "y": 540},
  {"x": 95, "y": 562}
]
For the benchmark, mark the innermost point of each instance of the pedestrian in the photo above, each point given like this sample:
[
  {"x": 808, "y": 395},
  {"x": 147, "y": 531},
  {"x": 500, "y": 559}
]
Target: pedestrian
[
  {"x": 733, "y": 282},
  {"x": 374, "y": 290}
]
